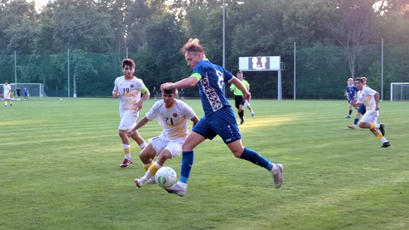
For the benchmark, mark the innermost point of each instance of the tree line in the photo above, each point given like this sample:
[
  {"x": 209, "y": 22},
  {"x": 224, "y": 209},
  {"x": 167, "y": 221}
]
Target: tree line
[{"x": 335, "y": 39}]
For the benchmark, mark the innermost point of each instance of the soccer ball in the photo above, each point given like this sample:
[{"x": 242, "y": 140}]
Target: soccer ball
[{"x": 166, "y": 177}]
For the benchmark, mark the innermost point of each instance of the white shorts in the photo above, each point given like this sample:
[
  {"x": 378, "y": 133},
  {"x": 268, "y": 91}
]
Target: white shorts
[
  {"x": 6, "y": 97},
  {"x": 128, "y": 120},
  {"x": 174, "y": 146},
  {"x": 246, "y": 103},
  {"x": 370, "y": 117}
]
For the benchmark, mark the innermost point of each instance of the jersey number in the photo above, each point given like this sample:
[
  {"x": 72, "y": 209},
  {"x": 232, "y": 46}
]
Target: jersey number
[
  {"x": 221, "y": 79},
  {"x": 169, "y": 121},
  {"x": 125, "y": 90}
]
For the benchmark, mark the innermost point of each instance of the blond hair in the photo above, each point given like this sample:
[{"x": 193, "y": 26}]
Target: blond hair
[{"x": 192, "y": 45}]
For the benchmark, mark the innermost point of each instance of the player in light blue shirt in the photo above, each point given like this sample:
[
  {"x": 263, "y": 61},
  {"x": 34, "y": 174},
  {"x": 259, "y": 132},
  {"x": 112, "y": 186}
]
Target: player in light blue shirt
[{"x": 219, "y": 118}]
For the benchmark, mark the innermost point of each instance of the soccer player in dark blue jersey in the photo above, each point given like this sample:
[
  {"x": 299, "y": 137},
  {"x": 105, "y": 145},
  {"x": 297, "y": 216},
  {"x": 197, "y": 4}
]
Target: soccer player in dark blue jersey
[
  {"x": 219, "y": 118},
  {"x": 350, "y": 93}
]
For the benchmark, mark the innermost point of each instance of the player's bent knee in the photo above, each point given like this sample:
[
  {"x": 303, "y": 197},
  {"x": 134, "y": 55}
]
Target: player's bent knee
[{"x": 237, "y": 154}]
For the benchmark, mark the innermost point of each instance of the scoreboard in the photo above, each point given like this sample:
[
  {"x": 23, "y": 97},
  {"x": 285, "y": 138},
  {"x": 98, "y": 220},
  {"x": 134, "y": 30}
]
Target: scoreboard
[{"x": 259, "y": 63}]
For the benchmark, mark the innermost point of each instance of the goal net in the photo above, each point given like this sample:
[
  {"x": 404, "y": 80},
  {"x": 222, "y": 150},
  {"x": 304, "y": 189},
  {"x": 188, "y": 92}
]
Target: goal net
[
  {"x": 399, "y": 91},
  {"x": 31, "y": 89}
]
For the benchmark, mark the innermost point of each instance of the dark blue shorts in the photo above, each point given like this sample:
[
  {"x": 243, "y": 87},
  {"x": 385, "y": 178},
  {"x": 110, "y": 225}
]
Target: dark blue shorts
[
  {"x": 222, "y": 123},
  {"x": 362, "y": 109}
]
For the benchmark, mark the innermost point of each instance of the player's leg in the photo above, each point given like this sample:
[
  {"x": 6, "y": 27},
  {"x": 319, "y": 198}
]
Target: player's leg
[
  {"x": 369, "y": 121},
  {"x": 361, "y": 110},
  {"x": 250, "y": 155},
  {"x": 241, "y": 113},
  {"x": 226, "y": 127},
  {"x": 123, "y": 134},
  {"x": 247, "y": 104},
  {"x": 155, "y": 147},
  {"x": 200, "y": 132},
  {"x": 147, "y": 155},
  {"x": 139, "y": 139},
  {"x": 349, "y": 110},
  {"x": 127, "y": 123},
  {"x": 171, "y": 150}
]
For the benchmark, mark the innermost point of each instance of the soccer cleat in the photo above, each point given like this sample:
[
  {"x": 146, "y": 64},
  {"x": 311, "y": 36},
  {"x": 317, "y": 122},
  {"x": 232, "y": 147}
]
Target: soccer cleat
[
  {"x": 253, "y": 114},
  {"x": 351, "y": 126},
  {"x": 177, "y": 189},
  {"x": 348, "y": 116},
  {"x": 241, "y": 121},
  {"x": 385, "y": 144},
  {"x": 382, "y": 129},
  {"x": 278, "y": 175},
  {"x": 138, "y": 183},
  {"x": 126, "y": 163},
  {"x": 151, "y": 181}
]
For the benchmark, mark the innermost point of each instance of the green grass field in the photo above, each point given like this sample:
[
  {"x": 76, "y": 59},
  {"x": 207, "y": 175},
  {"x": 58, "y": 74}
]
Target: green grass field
[{"x": 59, "y": 169}]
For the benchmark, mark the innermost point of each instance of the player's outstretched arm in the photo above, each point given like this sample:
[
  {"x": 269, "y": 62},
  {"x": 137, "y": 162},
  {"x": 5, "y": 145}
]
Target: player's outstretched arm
[
  {"x": 242, "y": 88},
  {"x": 184, "y": 83},
  {"x": 138, "y": 125}
]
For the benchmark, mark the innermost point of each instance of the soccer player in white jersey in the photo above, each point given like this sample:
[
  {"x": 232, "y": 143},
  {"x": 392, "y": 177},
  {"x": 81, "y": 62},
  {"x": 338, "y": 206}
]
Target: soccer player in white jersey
[
  {"x": 172, "y": 115},
  {"x": 370, "y": 98},
  {"x": 7, "y": 93},
  {"x": 129, "y": 88}
]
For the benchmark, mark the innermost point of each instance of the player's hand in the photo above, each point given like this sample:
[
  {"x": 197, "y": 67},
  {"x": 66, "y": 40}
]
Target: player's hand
[
  {"x": 166, "y": 85},
  {"x": 247, "y": 96},
  {"x": 115, "y": 93},
  {"x": 139, "y": 105}
]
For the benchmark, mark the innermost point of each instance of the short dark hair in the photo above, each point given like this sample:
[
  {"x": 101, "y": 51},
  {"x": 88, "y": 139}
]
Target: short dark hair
[
  {"x": 360, "y": 79},
  {"x": 128, "y": 62},
  {"x": 192, "y": 45},
  {"x": 169, "y": 91}
]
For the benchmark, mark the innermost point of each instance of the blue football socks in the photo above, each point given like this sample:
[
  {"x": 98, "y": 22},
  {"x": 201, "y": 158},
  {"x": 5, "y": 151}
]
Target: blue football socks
[
  {"x": 256, "y": 158},
  {"x": 187, "y": 162}
]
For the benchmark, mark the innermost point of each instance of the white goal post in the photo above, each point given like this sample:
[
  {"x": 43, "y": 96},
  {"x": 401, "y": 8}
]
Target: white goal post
[
  {"x": 33, "y": 89},
  {"x": 399, "y": 91}
]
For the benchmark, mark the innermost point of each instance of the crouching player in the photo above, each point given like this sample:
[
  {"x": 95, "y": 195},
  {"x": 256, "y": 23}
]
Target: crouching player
[
  {"x": 370, "y": 98},
  {"x": 172, "y": 115}
]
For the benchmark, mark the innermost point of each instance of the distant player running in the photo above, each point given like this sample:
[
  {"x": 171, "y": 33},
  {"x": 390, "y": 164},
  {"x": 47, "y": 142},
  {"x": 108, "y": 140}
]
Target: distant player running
[
  {"x": 7, "y": 94},
  {"x": 350, "y": 93},
  {"x": 370, "y": 98},
  {"x": 361, "y": 109},
  {"x": 238, "y": 97},
  {"x": 172, "y": 115},
  {"x": 129, "y": 88},
  {"x": 219, "y": 118}
]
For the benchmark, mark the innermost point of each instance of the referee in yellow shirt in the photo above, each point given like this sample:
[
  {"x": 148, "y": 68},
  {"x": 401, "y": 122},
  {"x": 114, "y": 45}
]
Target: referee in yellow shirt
[{"x": 238, "y": 97}]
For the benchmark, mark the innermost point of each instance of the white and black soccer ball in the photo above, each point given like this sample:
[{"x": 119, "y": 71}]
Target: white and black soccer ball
[{"x": 166, "y": 177}]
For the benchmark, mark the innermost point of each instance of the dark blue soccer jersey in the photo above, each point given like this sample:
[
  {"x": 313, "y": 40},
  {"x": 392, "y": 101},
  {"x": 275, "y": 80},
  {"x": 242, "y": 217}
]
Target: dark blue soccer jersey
[
  {"x": 351, "y": 91},
  {"x": 213, "y": 79}
]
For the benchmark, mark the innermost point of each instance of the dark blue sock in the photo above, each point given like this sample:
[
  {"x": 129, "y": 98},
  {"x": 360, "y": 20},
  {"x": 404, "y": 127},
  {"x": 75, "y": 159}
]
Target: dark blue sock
[
  {"x": 350, "y": 112},
  {"x": 356, "y": 121},
  {"x": 187, "y": 162},
  {"x": 256, "y": 158}
]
